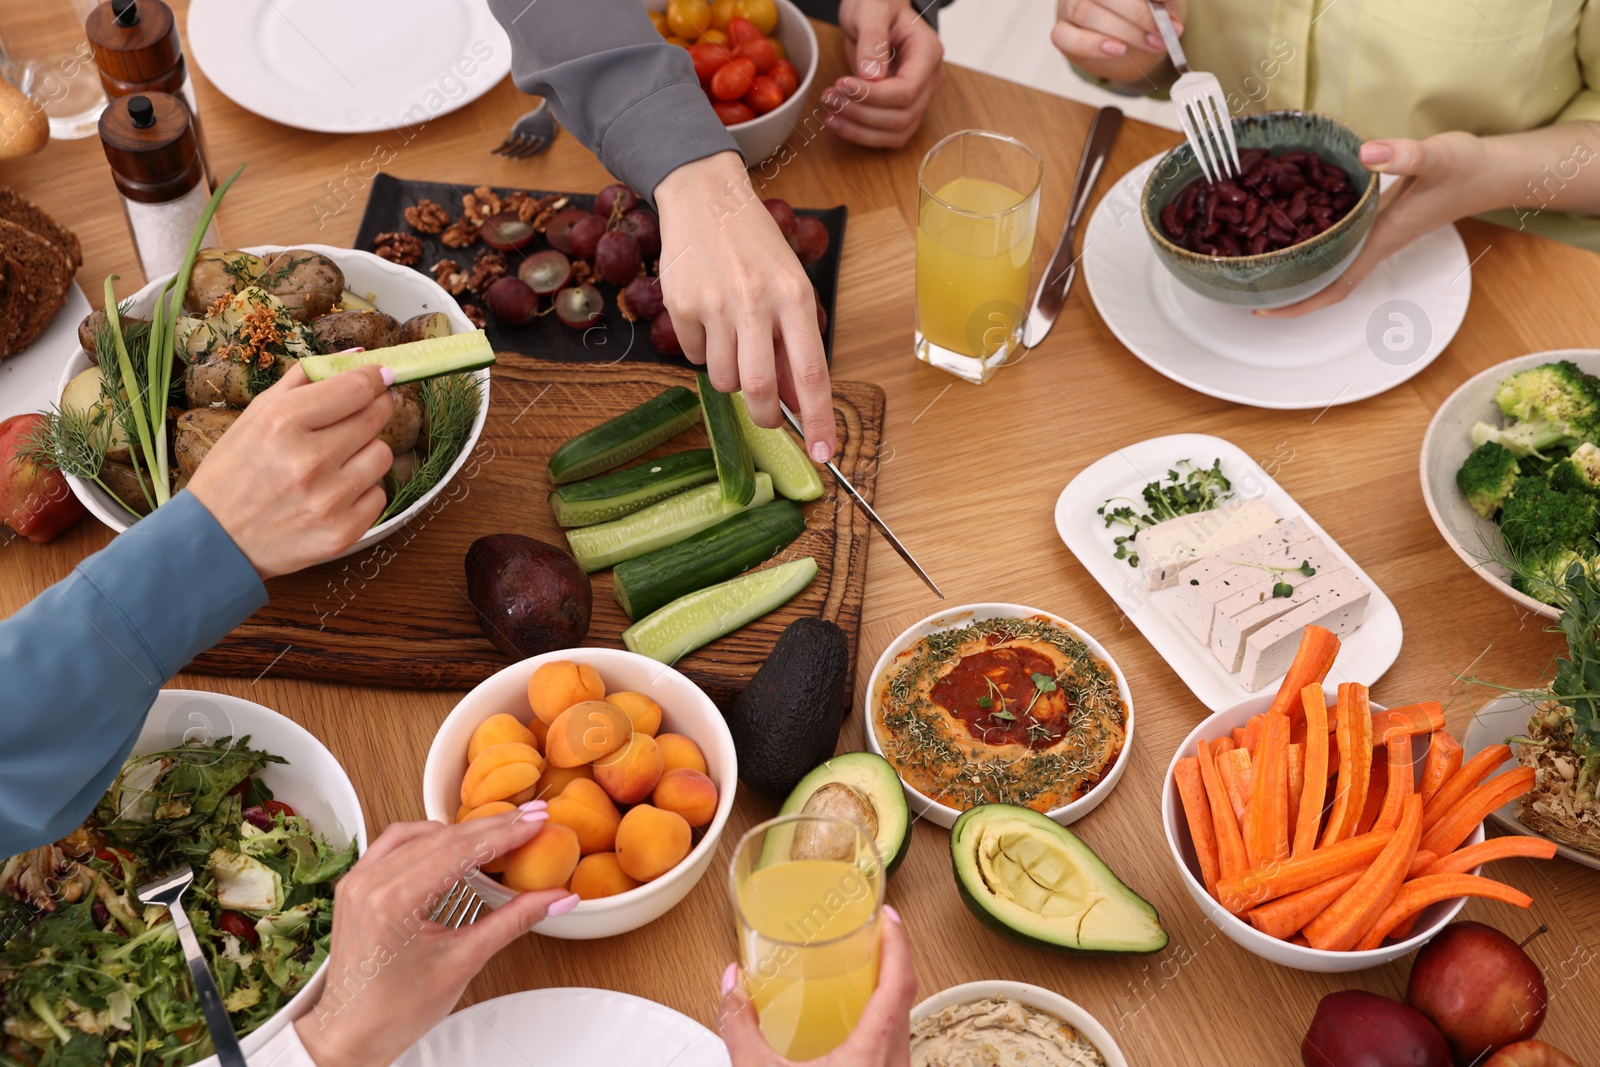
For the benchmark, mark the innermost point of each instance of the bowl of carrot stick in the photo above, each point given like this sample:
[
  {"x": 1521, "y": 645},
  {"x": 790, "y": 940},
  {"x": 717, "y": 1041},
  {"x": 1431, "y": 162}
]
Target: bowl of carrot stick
[{"x": 1327, "y": 833}]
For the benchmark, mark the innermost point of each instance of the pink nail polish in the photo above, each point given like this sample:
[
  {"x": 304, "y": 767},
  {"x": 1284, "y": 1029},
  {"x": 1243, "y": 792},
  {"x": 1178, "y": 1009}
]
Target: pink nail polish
[
  {"x": 729, "y": 977},
  {"x": 347, "y": 351},
  {"x": 894, "y": 916},
  {"x": 1153, "y": 42},
  {"x": 821, "y": 452},
  {"x": 533, "y": 818},
  {"x": 532, "y": 806},
  {"x": 1113, "y": 48},
  {"x": 564, "y": 905},
  {"x": 388, "y": 375}
]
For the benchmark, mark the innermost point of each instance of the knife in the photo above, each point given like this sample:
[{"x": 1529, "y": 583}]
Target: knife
[
  {"x": 872, "y": 516},
  {"x": 1052, "y": 294}
]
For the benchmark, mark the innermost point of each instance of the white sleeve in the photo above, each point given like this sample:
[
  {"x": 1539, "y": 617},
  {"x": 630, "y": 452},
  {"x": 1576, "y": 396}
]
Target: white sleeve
[{"x": 283, "y": 1049}]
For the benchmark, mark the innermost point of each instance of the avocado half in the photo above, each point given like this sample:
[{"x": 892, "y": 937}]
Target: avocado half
[
  {"x": 1030, "y": 878},
  {"x": 874, "y": 782}
]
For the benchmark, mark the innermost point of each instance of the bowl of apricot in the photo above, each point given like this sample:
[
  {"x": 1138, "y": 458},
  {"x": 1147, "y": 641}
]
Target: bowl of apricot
[{"x": 634, "y": 760}]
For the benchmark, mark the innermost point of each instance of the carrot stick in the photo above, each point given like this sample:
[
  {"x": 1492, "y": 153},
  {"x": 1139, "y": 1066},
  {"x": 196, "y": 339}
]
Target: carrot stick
[
  {"x": 1401, "y": 777},
  {"x": 1286, "y": 916},
  {"x": 1377, "y": 789},
  {"x": 1230, "y": 845},
  {"x": 1252, "y": 732},
  {"x": 1444, "y": 760},
  {"x": 1250, "y": 888},
  {"x": 1300, "y": 939},
  {"x": 1421, "y": 718},
  {"x": 1420, "y": 893},
  {"x": 1354, "y": 725},
  {"x": 1238, "y": 737},
  {"x": 1459, "y": 822},
  {"x": 1236, "y": 769},
  {"x": 1265, "y": 821},
  {"x": 1421, "y": 860},
  {"x": 1312, "y": 662},
  {"x": 1463, "y": 782},
  {"x": 1464, "y": 860},
  {"x": 1221, "y": 745},
  {"x": 1197, "y": 810},
  {"x": 1296, "y": 787},
  {"x": 1297, "y": 733},
  {"x": 1308, "y": 813},
  {"x": 1347, "y": 919}
]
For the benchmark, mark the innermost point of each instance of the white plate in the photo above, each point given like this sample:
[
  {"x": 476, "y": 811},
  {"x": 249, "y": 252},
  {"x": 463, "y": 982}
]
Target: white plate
[
  {"x": 1365, "y": 654},
  {"x": 1394, "y": 324},
  {"x": 355, "y": 66},
  {"x": 29, "y": 381},
  {"x": 567, "y": 1028},
  {"x": 1499, "y": 719}
]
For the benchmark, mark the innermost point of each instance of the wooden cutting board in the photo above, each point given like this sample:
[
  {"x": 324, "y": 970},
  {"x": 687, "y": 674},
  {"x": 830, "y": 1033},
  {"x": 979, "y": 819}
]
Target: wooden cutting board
[{"x": 397, "y": 614}]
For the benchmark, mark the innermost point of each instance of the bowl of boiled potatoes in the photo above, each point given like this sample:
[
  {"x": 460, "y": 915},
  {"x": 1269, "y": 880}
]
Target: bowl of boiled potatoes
[{"x": 633, "y": 759}]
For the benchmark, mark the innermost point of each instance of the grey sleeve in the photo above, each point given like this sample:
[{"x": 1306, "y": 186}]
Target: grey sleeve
[{"x": 615, "y": 84}]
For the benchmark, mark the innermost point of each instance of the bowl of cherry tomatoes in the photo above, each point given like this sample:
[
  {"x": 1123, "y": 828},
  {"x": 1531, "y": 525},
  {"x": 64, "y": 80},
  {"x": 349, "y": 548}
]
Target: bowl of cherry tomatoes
[{"x": 755, "y": 60}]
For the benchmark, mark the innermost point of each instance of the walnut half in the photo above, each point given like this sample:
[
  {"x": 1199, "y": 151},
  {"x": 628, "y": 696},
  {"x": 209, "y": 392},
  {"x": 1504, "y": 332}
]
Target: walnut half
[
  {"x": 397, "y": 247},
  {"x": 427, "y": 216}
]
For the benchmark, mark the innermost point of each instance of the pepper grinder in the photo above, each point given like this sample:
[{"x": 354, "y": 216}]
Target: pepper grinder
[
  {"x": 150, "y": 142},
  {"x": 137, "y": 49}
]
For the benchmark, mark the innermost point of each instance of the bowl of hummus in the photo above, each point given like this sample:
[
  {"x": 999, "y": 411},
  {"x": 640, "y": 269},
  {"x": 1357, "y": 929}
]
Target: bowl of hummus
[
  {"x": 983, "y": 1023},
  {"x": 1000, "y": 704}
]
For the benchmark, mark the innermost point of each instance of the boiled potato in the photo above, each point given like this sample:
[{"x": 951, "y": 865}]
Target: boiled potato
[
  {"x": 308, "y": 283},
  {"x": 404, "y": 466},
  {"x": 400, "y": 432},
  {"x": 217, "y": 382},
  {"x": 199, "y": 429},
  {"x": 423, "y": 326},
  {"x": 89, "y": 331},
  {"x": 349, "y": 301},
  {"x": 124, "y": 481},
  {"x": 86, "y": 393},
  {"x": 219, "y": 272},
  {"x": 339, "y": 330}
]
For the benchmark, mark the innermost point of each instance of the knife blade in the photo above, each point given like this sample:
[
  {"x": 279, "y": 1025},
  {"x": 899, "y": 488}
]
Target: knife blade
[
  {"x": 866, "y": 508},
  {"x": 1057, "y": 280}
]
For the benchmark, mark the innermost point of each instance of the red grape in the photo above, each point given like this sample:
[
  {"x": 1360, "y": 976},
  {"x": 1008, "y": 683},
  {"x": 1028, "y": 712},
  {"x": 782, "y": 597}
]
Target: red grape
[
  {"x": 545, "y": 272},
  {"x": 643, "y": 297},
  {"x": 732, "y": 112},
  {"x": 585, "y": 235},
  {"x": 734, "y": 80},
  {"x": 558, "y": 229},
  {"x": 606, "y": 200},
  {"x": 764, "y": 96},
  {"x": 645, "y": 226},
  {"x": 505, "y": 231},
  {"x": 809, "y": 239},
  {"x": 782, "y": 214},
  {"x": 786, "y": 76},
  {"x": 617, "y": 257},
  {"x": 579, "y": 306},
  {"x": 511, "y": 301},
  {"x": 663, "y": 336}
]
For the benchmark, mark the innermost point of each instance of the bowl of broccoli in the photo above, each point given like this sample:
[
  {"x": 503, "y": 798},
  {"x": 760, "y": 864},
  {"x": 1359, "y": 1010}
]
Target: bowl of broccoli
[{"x": 1511, "y": 473}]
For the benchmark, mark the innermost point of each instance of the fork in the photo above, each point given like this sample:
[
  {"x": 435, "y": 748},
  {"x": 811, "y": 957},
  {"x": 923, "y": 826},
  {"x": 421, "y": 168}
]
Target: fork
[
  {"x": 1202, "y": 108},
  {"x": 530, "y": 135},
  {"x": 168, "y": 893},
  {"x": 457, "y": 908}
]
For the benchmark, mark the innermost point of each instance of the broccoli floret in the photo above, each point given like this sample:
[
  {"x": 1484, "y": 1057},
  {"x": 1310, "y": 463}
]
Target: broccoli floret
[
  {"x": 1541, "y": 522},
  {"x": 1547, "y": 581},
  {"x": 1487, "y": 476},
  {"x": 1580, "y": 471},
  {"x": 1531, "y": 438},
  {"x": 1559, "y": 393}
]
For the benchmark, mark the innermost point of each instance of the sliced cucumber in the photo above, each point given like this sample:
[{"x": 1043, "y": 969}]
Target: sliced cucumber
[
  {"x": 611, "y": 496},
  {"x": 633, "y": 433},
  {"x": 736, "y": 471},
  {"x": 411, "y": 362},
  {"x": 702, "y": 617},
  {"x": 777, "y": 453},
  {"x": 666, "y": 522},
  {"x": 732, "y": 546}
]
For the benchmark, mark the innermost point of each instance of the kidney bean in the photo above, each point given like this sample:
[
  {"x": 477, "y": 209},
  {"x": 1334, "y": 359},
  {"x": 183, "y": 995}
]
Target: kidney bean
[
  {"x": 1297, "y": 206},
  {"x": 1279, "y": 201},
  {"x": 1259, "y": 226},
  {"x": 1233, "y": 216},
  {"x": 1258, "y": 244},
  {"x": 1230, "y": 193}
]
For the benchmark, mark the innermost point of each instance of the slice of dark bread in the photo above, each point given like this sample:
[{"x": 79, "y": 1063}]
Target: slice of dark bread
[
  {"x": 10, "y": 304},
  {"x": 28, "y": 215},
  {"x": 42, "y": 276}
]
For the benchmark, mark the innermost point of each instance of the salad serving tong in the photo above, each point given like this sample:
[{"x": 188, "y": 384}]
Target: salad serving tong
[
  {"x": 167, "y": 892},
  {"x": 1203, "y": 110}
]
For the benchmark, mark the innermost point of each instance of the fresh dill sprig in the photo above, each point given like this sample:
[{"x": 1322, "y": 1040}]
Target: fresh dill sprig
[{"x": 450, "y": 405}]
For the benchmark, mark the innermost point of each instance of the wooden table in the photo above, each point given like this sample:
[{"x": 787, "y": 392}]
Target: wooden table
[{"x": 969, "y": 480}]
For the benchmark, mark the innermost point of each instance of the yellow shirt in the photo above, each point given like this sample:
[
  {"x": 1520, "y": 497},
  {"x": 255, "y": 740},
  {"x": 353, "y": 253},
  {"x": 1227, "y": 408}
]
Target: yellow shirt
[{"x": 1414, "y": 68}]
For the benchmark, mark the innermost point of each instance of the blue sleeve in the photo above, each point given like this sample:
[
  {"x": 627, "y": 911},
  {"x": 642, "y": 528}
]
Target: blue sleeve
[{"x": 83, "y": 661}]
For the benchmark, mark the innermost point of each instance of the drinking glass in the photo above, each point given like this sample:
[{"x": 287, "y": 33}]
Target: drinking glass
[
  {"x": 977, "y": 207},
  {"x": 806, "y": 893},
  {"x": 45, "y": 53}
]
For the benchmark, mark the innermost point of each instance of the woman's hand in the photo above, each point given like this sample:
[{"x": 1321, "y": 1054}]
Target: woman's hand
[
  {"x": 898, "y": 62},
  {"x": 296, "y": 479},
  {"x": 881, "y": 1039},
  {"x": 392, "y": 974},
  {"x": 740, "y": 302},
  {"x": 1114, "y": 39}
]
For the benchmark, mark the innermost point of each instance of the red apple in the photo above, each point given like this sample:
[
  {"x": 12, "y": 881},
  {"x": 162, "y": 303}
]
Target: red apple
[
  {"x": 1530, "y": 1054},
  {"x": 1479, "y": 988},
  {"x": 1354, "y": 1028},
  {"x": 35, "y": 502}
]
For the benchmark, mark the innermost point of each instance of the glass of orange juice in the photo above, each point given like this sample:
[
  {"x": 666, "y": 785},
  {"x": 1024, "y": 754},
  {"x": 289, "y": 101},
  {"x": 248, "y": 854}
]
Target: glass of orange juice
[
  {"x": 806, "y": 893},
  {"x": 977, "y": 207}
]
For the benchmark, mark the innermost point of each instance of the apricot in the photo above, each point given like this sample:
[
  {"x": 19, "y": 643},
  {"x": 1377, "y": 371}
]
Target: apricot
[
  {"x": 540, "y": 730},
  {"x": 558, "y": 685},
  {"x": 585, "y": 732},
  {"x": 555, "y": 780},
  {"x": 679, "y": 751},
  {"x": 650, "y": 842},
  {"x": 495, "y": 807},
  {"x": 501, "y": 772},
  {"x": 644, "y": 713},
  {"x": 497, "y": 730},
  {"x": 629, "y": 773},
  {"x": 584, "y": 808},
  {"x": 689, "y": 793},
  {"x": 600, "y": 875},
  {"x": 543, "y": 863}
]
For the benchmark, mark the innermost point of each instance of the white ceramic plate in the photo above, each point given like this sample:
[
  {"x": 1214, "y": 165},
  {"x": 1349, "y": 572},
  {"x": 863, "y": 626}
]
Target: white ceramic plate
[
  {"x": 1035, "y": 997},
  {"x": 1394, "y": 324},
  {"x": 961, "y": 615},
  {"x": 567, "y": 1028},
  {"x": 1365, "y": 654},
  {"x": 1447, "y": 444},
  {"x": 30, "y": 381},
  {"x": 1499, "y": 719},
  {"x": 355, "y": 66}
]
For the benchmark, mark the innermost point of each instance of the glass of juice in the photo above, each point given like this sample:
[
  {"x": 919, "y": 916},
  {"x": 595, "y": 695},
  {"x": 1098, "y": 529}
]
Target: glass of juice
[
  {"x": 977, "y": 206},
  {"x": 806, "y": 892}
]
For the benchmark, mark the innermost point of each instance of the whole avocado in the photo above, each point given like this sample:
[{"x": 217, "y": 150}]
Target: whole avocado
[
  {"x": 786, "y": 721},
  {"x": 530, "y": 597}
]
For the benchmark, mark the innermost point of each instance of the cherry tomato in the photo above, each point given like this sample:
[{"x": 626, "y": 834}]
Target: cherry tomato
[
  {"x": 723, "y": 12},
  {"x": 777, "y": 46},
  {"x": 741, "y": 30},
  {"x": 231, "y": 922},
  {"x": 784, "y": 74},
  {"x": 708, "y": 59},
  {"x": 763, "y": 13},
  {"x": 765, "y": 96},
  {"x": 732, "y": 112},
  {"x": 715, "y": 36},
  {"x": 736, "y": 78},
  {"x": 757, "y": 50},
  {"x": 112, "y": 855},
  {"x": 689, "y": 18},
  {"x": 681, "y": 42},
  {"x": 277, "y": 807},
  {"x": 658, "y": 19}
]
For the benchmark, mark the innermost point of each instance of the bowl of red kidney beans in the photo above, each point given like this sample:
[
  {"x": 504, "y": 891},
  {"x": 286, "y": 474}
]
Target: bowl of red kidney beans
[{"x": 1287, "y": 226}]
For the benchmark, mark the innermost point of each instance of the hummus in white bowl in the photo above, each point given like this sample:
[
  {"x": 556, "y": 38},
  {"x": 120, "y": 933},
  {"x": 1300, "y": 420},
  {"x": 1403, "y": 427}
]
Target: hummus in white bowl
[{"x": 998, "y": 1032}]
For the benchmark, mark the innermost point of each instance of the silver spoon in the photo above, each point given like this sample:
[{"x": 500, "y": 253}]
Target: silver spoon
[{"x": 168, "y": 893}]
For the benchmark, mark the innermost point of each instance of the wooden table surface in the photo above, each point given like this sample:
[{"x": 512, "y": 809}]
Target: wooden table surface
[{"x": 969, "y": 480}]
